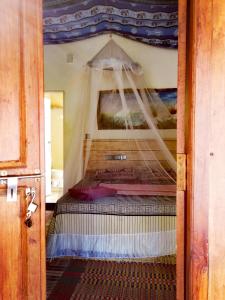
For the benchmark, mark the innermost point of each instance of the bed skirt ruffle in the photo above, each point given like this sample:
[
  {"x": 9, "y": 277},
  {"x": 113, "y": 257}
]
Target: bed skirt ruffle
[{"x": 141, "y": 245}]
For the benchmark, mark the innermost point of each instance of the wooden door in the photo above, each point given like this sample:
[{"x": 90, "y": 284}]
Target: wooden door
[
  {"x": 206, "y": 171},
  {"x": 21, "y": 79},
  {"x": 22, "y": 257}
]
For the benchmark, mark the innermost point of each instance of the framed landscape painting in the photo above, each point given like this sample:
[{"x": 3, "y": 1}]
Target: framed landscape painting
[{"x": 111, "y": 114}]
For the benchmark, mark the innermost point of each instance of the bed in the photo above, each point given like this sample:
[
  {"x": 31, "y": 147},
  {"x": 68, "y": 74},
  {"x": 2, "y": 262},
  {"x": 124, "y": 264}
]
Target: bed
[{"x": 132, "y": 224}]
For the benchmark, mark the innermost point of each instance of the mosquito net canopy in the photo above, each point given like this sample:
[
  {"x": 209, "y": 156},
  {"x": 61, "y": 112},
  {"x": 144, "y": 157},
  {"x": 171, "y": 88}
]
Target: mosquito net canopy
[
  {"x": 112, "y": 57},
  {"x": 118, "y": 100}
]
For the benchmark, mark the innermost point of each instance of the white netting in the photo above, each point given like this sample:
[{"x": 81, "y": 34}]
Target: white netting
[
  {"x": 113, "y": 57},
  {"x": 114, "y": 63}
]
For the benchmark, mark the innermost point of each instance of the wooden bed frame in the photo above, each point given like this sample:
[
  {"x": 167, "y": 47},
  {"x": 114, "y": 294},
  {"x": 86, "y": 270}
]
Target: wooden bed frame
[{"x": 136, "y": 155}]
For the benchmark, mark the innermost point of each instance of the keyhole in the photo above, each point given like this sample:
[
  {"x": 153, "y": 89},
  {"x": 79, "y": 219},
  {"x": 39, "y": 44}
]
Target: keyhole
[{"x": 11, "y": 193}]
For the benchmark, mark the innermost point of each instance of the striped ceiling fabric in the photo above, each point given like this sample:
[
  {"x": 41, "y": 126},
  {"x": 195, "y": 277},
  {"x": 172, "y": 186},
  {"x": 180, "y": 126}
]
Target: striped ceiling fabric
[{"x": 154, "y": 22}]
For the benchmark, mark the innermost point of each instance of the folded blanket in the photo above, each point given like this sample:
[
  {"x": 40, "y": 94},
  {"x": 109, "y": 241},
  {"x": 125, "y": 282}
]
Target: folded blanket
[
  {"x": 145, "y": 193},
  {"x": 91, "y": 193},
  {"x": 142, "y": 189}
]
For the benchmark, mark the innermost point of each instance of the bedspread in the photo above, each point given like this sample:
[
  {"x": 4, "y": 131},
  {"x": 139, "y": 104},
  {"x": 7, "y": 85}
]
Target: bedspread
[{"x": 119, "y": 226}]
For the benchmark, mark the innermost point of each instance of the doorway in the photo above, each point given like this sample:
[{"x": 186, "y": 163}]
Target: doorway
[
  {"x": 72, "y": 59},
  {"x": 53, "y": 145}
]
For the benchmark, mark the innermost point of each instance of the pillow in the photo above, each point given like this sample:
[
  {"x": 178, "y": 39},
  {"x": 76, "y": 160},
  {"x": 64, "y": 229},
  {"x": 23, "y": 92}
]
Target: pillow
[
  {"x": 91, "y": 193},
  {"x": 125, "y": 173}
]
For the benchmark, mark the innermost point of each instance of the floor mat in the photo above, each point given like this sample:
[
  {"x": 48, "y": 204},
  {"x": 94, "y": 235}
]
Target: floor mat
[{"x": 112, "y": 280}]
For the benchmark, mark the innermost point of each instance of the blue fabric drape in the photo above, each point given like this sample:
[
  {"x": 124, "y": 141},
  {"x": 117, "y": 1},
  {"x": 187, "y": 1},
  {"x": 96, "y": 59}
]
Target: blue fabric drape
[{"x": 151, "y": 22}]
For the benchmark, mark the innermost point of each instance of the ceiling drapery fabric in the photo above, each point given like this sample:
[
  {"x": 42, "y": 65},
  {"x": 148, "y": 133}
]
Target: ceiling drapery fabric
[{"x": 152, "y": 22}]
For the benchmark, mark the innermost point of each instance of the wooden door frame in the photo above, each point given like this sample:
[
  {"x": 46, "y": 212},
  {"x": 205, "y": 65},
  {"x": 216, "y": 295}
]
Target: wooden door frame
[
  {"x": 197, "y": 60},
  {"x": 204, "y": 60},
  {"x": 42, "y": 149},
  {"x": 198, "y": 78},
  {"x": 184, "y": 147},
  {"x": 181, "y": 150},
  {"x": 192, "y": 212}
]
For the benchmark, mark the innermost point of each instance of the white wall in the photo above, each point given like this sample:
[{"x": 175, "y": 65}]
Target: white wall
[{"x": 159, "y": 65}]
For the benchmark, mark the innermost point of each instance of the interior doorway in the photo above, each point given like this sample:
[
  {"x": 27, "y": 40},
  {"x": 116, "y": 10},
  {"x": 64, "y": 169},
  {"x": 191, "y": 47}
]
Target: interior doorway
[
  {"x": 53, "y": 145},
  {"x": 73, "y": 57}
]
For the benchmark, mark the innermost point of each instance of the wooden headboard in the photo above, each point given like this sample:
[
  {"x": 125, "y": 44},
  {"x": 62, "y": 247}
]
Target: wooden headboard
[{"x": 102, "y": 151}]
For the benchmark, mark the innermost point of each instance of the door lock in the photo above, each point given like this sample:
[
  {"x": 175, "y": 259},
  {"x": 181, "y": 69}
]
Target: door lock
[{"x": 32, "y": 207}]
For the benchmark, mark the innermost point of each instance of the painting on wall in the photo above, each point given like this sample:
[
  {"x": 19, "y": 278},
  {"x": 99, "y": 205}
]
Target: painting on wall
[{"x": 111, "y": 112}]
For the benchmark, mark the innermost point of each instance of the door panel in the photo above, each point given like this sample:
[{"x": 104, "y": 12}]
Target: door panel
[
  {"x": 216, "y": 161},
  {"x": 206, "y": 174},
  {"x": 12, "y": 91},
  {"x": 22, "y": 257},
  {"x": 11, "y": 261},
  {"x": 21, "y": 86}
]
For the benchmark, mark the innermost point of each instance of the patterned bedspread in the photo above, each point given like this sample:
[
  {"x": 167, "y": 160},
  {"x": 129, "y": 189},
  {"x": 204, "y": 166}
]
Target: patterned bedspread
[{"x": 125, "y": 205}]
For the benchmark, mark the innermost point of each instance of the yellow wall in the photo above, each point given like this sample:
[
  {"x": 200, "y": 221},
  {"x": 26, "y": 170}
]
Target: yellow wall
[
  {"x": 57, "y": 138},
  {"x": 56, "y": 128}
]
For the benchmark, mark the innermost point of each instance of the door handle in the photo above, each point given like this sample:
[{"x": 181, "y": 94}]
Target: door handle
[{"x": 12, "y": 185}]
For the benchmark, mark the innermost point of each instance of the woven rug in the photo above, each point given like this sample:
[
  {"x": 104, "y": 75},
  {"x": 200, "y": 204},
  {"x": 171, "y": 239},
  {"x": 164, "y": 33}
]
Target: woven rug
[{"x": 112, "y": 280}]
